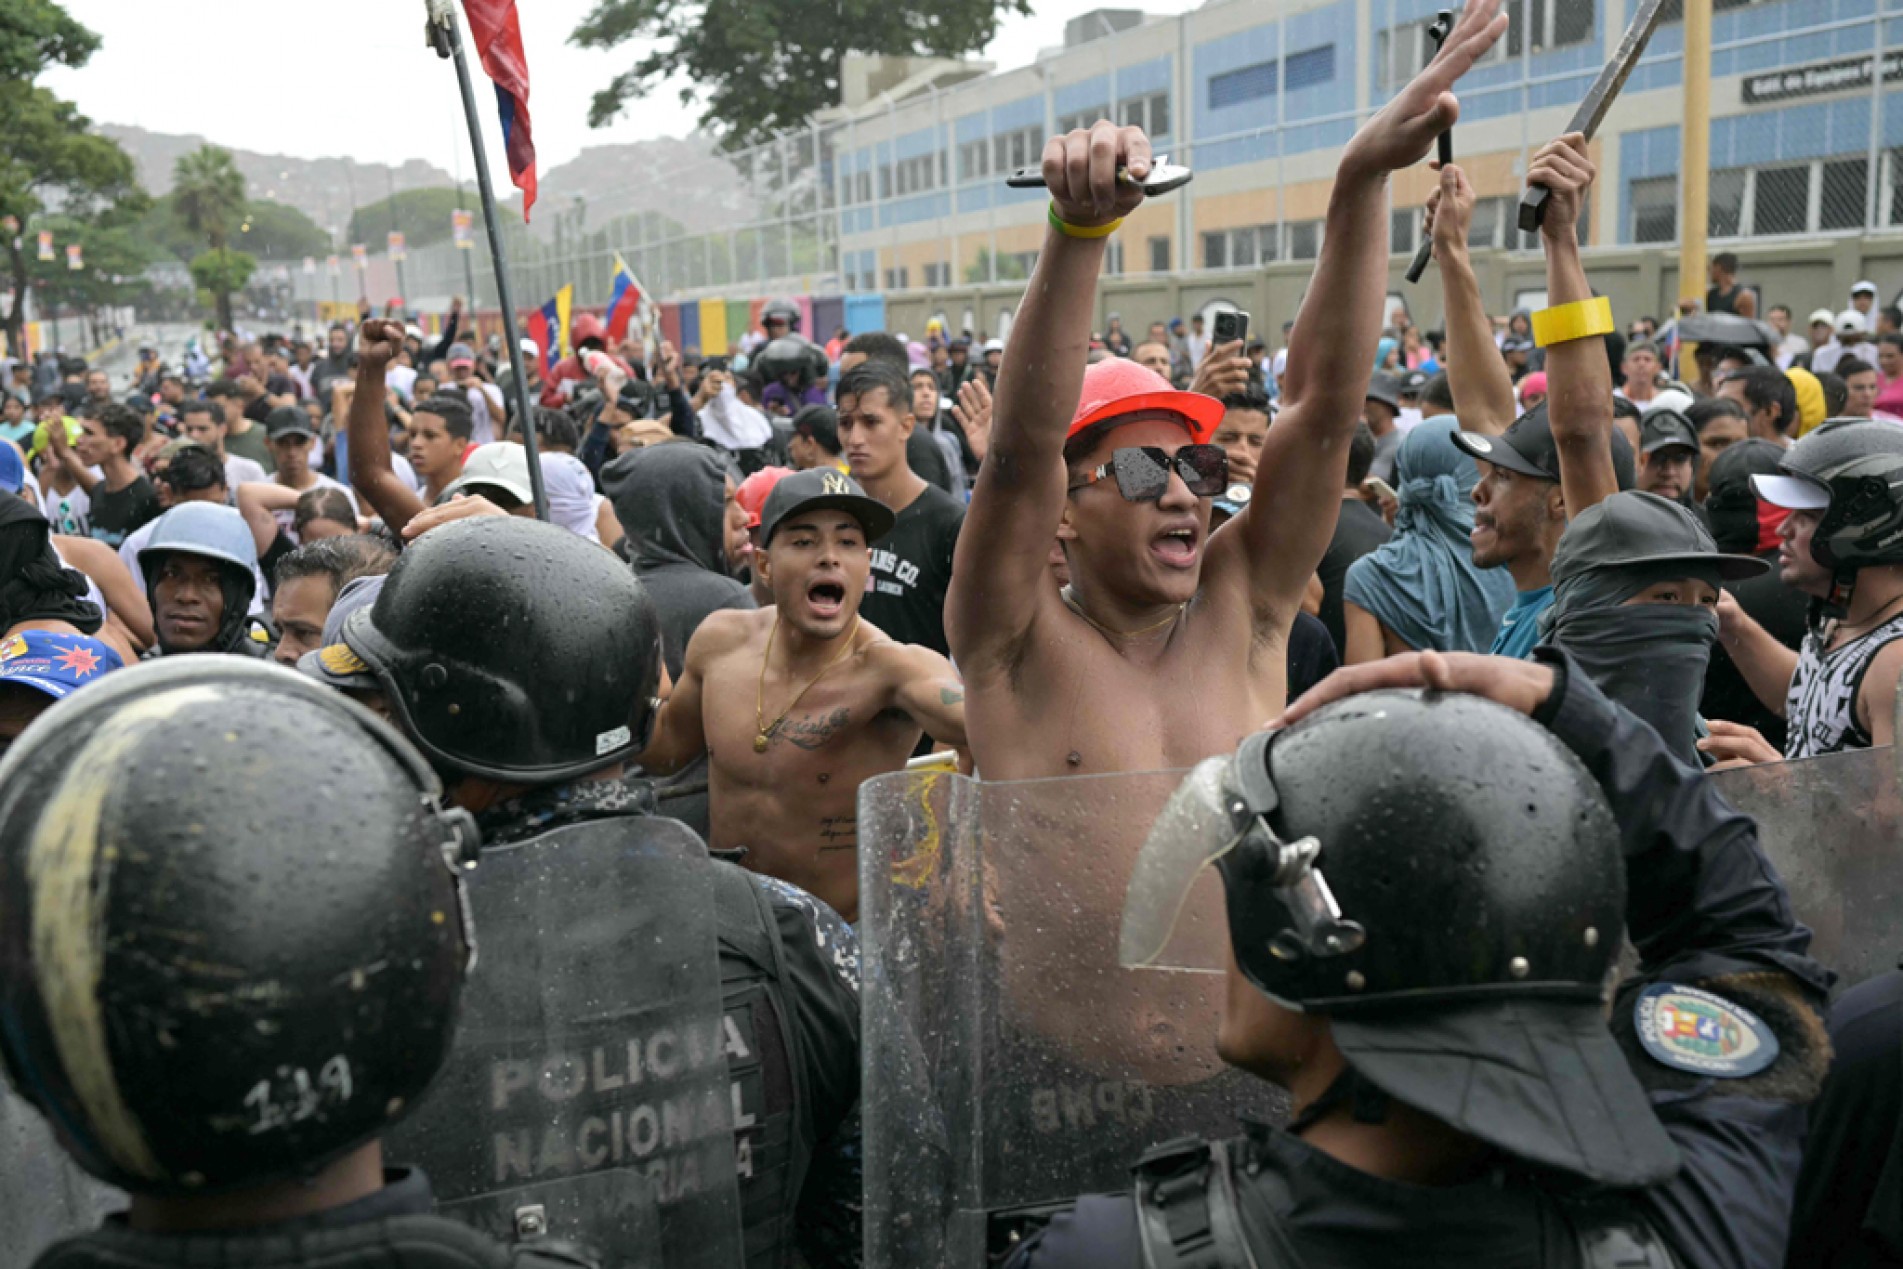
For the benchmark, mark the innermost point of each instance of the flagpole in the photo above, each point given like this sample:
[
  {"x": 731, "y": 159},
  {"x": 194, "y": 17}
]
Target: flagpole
[{"x": 446, "y": 38}]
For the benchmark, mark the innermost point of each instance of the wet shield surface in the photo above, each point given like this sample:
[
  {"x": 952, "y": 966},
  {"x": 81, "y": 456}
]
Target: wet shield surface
[
  {"x": 44, "y": 1197},
  {"x": 1011, "y": 1063},
  {"x": 587, "y": 1098},
  {"x": 1834, "y": 828}
]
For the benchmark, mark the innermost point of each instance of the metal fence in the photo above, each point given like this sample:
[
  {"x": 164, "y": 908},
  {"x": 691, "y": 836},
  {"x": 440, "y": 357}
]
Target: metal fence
[{"x": 1806, "y": 142}]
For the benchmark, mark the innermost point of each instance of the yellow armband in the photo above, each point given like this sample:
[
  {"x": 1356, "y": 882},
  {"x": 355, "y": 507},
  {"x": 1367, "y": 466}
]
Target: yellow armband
[
  {"x": 1069, "y": 230},
  {"x": 1566, "y": 322}
]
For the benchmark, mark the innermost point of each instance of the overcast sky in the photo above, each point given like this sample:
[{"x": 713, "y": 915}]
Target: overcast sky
[{"x": 352, "y": 77}]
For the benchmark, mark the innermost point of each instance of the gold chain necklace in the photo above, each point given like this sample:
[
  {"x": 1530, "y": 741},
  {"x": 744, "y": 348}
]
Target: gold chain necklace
[
  {"x": 764, "y": 730},
  {"x": 1073, "y": 605}
]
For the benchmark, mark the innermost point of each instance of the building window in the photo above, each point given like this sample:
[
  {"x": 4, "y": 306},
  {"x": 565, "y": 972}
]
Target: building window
[
  {"x": 898, "y": 279},
  {"x": 1113, "y": 257},
  {"x": 937, "y": 274},
  {"x": 974, "y": 160},
  {"x": 1726, "y": 203},
  {"x": 1216, "y": 250},
  {"x": 1401, "y": 51},
  {"x": 1240, "y": 248},
  {"x": 1655, "y": 209},
  {"x": 1013, "y": 150},
  {"x": 1841, "y": 203},
  {"x": 1081, "y": 119},
  {"x": 1304, "y": 239},
  {"x": 1159, "y": 255},
  {"x": 1403, "y": 230},
  {"x": 1150, "y": 112},
  {"x": 1309, "y": 68},
  {"x": 1551, "y": 24},
  {"x": 1247, "y": 84},
  {"x": 865, "y": 187}
]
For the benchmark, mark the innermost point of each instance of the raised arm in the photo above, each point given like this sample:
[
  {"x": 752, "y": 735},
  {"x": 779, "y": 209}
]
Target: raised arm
[
  {"x": 258, "y": 501},
  {"x": 1578, "y": 376},
  {"x": 371, "y": 475},
  {"x": 1483, "y": 390},
  {"x": 122, "y": 595},
  {"x": 1288, "y": 523},
  {"x": 1001, "y": 573}
]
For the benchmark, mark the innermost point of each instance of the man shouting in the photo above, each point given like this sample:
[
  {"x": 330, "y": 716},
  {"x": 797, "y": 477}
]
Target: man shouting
[
  {"x": 797, "y": 703},
  {"x": 1170, "y": 644}
]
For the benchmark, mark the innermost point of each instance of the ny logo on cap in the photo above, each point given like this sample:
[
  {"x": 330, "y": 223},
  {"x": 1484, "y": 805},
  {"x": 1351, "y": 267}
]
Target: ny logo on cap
[{"x": 834, "y": 483}]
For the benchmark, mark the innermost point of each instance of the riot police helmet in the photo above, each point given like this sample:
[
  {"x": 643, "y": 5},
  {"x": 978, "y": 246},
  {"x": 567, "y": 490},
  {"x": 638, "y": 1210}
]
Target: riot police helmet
[
  {"x": 232, "y": 938},
  {"x": 513, "y": 650},
  {"x": 1443, "y": 879}
]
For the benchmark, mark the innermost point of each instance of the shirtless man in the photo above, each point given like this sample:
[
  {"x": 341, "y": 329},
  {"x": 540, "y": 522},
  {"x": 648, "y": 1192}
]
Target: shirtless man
[
  {"x": 796, "y": 704},
  {"x": 1170, "y": 644}
]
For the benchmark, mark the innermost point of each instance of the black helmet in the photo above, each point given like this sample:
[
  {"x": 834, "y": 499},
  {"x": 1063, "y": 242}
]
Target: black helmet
[
  {"x": 791, "y": 354},
  {"x": 1852, "y": 470},
  {"x": 514, "y": 650},
  {"x": 784, "y": 310},
  {"x": 232, "y": 938},
  {"x": 1441, "y": 877}
]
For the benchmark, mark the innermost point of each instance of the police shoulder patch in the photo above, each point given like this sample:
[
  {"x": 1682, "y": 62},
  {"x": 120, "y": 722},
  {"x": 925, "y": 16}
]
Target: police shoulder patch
[{"x": 1695, "y": 1031}]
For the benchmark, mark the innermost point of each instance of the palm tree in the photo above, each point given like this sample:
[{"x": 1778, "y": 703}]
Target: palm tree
[{"x": 208, "y": 191}]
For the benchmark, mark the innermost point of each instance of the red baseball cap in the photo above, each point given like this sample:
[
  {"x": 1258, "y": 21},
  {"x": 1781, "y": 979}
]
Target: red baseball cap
[
  {"x": 1118, "y": 386},
  {"x": 754, "y": 489}
]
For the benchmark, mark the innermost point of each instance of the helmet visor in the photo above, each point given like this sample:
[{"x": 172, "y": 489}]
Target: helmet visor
[
  {"x": 1793, "y": 493},
  {"x": 1173, "y": 915}
]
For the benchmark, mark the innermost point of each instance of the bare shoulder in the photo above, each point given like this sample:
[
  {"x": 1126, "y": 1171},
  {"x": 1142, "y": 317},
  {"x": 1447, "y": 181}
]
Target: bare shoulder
[
  {"x": 904, "y": 662},
  {"x": 725, "y": 631}
]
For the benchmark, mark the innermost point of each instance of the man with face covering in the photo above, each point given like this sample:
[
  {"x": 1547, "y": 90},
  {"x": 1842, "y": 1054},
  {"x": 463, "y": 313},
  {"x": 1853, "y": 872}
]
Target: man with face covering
[
  {"x": 672, "y": 500},
  {"x": 37, "y": 591},
  {"x": 1635, "y": 604},
  {"x": 1421, "y": 590}
]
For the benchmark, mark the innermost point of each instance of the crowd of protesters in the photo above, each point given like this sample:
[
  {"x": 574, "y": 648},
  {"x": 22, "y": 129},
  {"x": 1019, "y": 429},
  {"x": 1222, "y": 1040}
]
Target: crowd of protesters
[{"x": 1088, "y": 549}]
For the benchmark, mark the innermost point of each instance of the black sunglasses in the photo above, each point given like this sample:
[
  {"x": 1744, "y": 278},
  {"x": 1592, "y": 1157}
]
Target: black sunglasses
[{"x": 1143, "y": 471}]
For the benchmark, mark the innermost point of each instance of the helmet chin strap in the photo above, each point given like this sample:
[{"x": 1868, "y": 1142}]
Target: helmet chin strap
[
  {"x": 1836, "y": 603},
  {"x": 1367, "y": 1101}
]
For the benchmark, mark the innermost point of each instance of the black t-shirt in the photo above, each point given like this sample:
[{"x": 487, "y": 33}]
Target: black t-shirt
[
  {"x": 1311, "y": 654},
  {"x": 115, "y": 514},
  {"x": 911, "y": 571},
  {"x": 1358, "y": 531},
  {"x": 1717, "y": 301},
  {"x": 927, "y": 460}
]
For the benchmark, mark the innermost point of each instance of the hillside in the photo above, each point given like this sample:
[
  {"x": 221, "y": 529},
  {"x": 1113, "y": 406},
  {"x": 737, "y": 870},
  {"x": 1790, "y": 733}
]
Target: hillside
[{"x": 668, "y": 175}]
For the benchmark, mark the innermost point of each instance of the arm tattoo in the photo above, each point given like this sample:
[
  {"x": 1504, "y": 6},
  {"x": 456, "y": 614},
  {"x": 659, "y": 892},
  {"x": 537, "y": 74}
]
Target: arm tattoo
[
  {"x": 950, "y": 695},
  {"x": 812, "y": 731}
]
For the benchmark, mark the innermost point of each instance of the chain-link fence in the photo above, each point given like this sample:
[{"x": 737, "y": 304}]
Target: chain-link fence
[{"x": 1806, "y": 141}]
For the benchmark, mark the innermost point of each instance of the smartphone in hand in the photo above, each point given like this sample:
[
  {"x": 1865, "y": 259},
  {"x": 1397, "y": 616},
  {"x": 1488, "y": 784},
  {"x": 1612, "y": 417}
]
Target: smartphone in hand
[{"x": 1230, "y": 327}]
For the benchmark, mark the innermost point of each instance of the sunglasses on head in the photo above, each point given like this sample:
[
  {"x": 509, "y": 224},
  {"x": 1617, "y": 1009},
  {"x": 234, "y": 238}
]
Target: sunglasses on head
[{"x": 1143, "y": 471}]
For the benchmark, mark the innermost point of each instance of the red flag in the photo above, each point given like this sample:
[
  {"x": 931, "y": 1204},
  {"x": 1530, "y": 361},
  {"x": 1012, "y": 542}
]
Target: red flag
[{"x": 497, "y": 31}]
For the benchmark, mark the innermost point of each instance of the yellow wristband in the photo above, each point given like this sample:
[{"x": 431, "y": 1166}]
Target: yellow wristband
[
  {"x": 1069, "y": 230},
  {"x": 1581, "y": 319}
]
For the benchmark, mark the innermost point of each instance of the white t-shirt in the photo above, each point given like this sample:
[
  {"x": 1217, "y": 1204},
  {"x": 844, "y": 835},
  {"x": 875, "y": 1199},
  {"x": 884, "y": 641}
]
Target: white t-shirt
[
  {"x": 70, "y": 513},
  {"x": 402, "y": 380},
  {"x": 485, "y": 408},
  {"x": 243, "y": 471}
]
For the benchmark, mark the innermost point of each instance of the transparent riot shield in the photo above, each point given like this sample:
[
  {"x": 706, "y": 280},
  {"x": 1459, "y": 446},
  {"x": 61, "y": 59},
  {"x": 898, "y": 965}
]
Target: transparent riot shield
[
  {"x": 1010, "y": 1062},
  {"x": 1834, "y": 828},
  {"x": 44, "y": 1196},
  {"x": 587, "y": 1098}
]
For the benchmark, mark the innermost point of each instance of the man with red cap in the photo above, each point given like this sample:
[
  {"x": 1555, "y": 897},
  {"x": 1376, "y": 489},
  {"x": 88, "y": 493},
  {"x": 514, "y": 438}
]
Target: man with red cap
[{"x": 1170, "y": 644}]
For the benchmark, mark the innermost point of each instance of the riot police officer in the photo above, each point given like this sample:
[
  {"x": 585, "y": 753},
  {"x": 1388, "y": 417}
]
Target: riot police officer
[
  {"x": 523, "y": 662},
  {"x": 232, "y": 955},
  {"x": 1426, "y": 894}
]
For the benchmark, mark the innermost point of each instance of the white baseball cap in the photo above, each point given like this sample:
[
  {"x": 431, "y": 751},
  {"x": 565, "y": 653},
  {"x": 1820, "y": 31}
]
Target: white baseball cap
[
  {"x": 1850, "y": 322},
  {"x": 502, "y": 465},
  {"x": 1863, "y": 288},
  {"x": 1823, "y": 315}
]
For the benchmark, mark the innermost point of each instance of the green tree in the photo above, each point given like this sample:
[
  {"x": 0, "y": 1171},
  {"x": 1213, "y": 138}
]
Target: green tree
[
  {"x": 218, "y": 273},
  {"x": 47, "y": 149},
  {"x": 115, "y": 260},
  {"x": 208, "y": 193},
  {"x": 761, "y": 69},
  {"x": 422, "y": 217},
  {"x": 272, "y": 230}
]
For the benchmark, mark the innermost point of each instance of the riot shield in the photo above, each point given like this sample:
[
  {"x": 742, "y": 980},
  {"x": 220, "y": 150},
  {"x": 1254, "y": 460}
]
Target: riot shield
[
  {"x": 44, "y": 1196},
  {"x": 1834, "y": 828},
  {"x": 587, "y": 1098},
  {"x": 1010, "y": 1062}
]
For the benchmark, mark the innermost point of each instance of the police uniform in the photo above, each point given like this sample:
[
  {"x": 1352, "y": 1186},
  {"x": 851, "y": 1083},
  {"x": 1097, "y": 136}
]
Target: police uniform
[
  {"x": 789, "y": 976},
  {"x": 1721, "y": 952},
  {"x": 390, "y": 1229}
]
